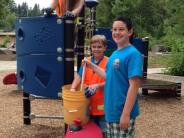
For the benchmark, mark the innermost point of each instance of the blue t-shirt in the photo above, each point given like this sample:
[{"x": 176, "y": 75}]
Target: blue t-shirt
[{"x": 122, "y": 65}]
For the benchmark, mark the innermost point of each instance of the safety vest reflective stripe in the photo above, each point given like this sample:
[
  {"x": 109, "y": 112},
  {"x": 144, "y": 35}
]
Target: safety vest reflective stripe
[{"x": 100, "y": 107}]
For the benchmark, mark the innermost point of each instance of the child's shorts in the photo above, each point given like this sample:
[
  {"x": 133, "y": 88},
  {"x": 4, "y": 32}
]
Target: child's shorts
[
  {"x": 100, "y": 121},
  {"x": 114, "y": 131}
]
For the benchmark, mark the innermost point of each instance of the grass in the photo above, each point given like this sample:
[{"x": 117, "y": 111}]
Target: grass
[{"x": 156, "y": 60}]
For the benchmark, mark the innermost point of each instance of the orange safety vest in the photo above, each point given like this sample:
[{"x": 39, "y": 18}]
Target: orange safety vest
[
  {"x": 97, "y": 100},
  {"x": 60, "y": 7}
]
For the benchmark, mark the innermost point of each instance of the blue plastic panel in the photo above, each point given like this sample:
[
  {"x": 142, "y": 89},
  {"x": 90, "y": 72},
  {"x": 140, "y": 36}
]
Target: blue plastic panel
[
  {"x": 137, "y": 42},
  {"x": 39, "y": 35},
  {"x": 40, "y": 75},
  {"x": 40, "y": 52},
  {"x": 108, "y": 34}
]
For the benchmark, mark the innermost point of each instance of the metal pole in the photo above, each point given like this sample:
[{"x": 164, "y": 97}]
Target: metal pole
[
  {"x": 69, "y": 50},
  {"x": 69, "y": 38},
  {"x": 93, "y": 20},
  {"x": 81, "y": 38},
  {"x": 26, "y": 108},
  {"x": 145, "y": 65},
  {"x": 33, "y": 116}
]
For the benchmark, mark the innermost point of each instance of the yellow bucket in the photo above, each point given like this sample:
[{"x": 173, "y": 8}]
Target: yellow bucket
[{"x": 75, "y": 106}]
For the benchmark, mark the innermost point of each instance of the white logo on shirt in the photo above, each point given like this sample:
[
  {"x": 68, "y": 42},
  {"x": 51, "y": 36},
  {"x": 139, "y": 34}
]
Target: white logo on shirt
[{"x": 116, "y": 63}]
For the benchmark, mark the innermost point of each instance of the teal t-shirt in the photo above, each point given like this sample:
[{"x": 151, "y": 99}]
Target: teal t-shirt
[{"x": 122, "y": 65}]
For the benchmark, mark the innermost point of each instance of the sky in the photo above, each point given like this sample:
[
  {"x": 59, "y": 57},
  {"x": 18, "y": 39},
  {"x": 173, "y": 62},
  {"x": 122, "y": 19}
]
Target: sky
[{"x": 31, "y": 3}]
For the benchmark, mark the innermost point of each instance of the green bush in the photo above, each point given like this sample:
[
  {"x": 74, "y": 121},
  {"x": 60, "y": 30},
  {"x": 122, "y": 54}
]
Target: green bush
[
  {"x": 176, "y": 62},
  {"x": 6, "y": 40},
  {"x": 175, "y": 43},
  {"x": 152, "y": 43}
]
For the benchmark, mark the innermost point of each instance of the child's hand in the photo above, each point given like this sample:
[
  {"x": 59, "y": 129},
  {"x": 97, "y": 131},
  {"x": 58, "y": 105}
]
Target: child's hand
[
  {"x": 87, "y": 62},
  {"x": 124, "y": 121},
  {"x": 69, "y": 14},
  {"x": 72, "y": 90},
  {"x": 89, "y": 92},
  {"x": 94, "y": 86}
]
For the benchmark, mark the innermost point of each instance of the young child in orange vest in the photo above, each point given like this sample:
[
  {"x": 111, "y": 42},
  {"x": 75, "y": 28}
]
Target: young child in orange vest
[
  {"x": 66, "y": 7},
  {"x": 94, "y": 82}
]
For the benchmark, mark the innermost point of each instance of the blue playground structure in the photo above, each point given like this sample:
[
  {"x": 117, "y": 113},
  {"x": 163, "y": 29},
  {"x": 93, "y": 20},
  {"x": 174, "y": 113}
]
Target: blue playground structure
[{"x": 40, "y": 55}]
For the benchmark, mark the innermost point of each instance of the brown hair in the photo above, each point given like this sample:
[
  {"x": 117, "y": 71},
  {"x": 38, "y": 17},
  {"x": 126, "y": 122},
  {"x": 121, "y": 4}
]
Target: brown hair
[{"x": 99, "y": 38}]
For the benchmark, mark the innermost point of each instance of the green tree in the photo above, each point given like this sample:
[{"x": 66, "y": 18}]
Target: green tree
[
  {"x": 127, "y": 8},
  {"x": 175, "y": 21},
  {"x": 174, "y": 34},
  {"x": 8, "y": 15},
  {"x": 35, "y": 11},
  {"x": 147, "y": 15},
  {"x": 9, "y": 22},
  {"x": 104, "y": 13},
  {"x": 3, "y": 10},
  {"x": 12, "y": 6},
  {"x": 22, "y": 10},
  {"x": 151, "y": 17},
  {"x": 124, "y": 7},
  {"x": 173, "y": 26},
  {"x": 9, "y": 11}
]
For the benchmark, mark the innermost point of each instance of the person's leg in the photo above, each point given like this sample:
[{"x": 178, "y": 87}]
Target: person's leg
[
  {"x": 130, "y": 132},
  {"x": 114, "y": 131},
  {"x": 94, "y": 119},
  {"x": 109, "y": 130},
  {"x": 103, "y": 125},
  {"x": 100, "y": 121}
]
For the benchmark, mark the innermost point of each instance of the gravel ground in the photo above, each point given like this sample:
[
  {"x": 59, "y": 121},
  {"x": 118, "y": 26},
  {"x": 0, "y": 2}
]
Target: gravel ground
[
  {"x": 162, "y": 116},
  {"x": 11, "y": 115}
]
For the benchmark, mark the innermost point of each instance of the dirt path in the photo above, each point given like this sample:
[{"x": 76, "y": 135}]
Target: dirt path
[{"x": 161, "y": 116}]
